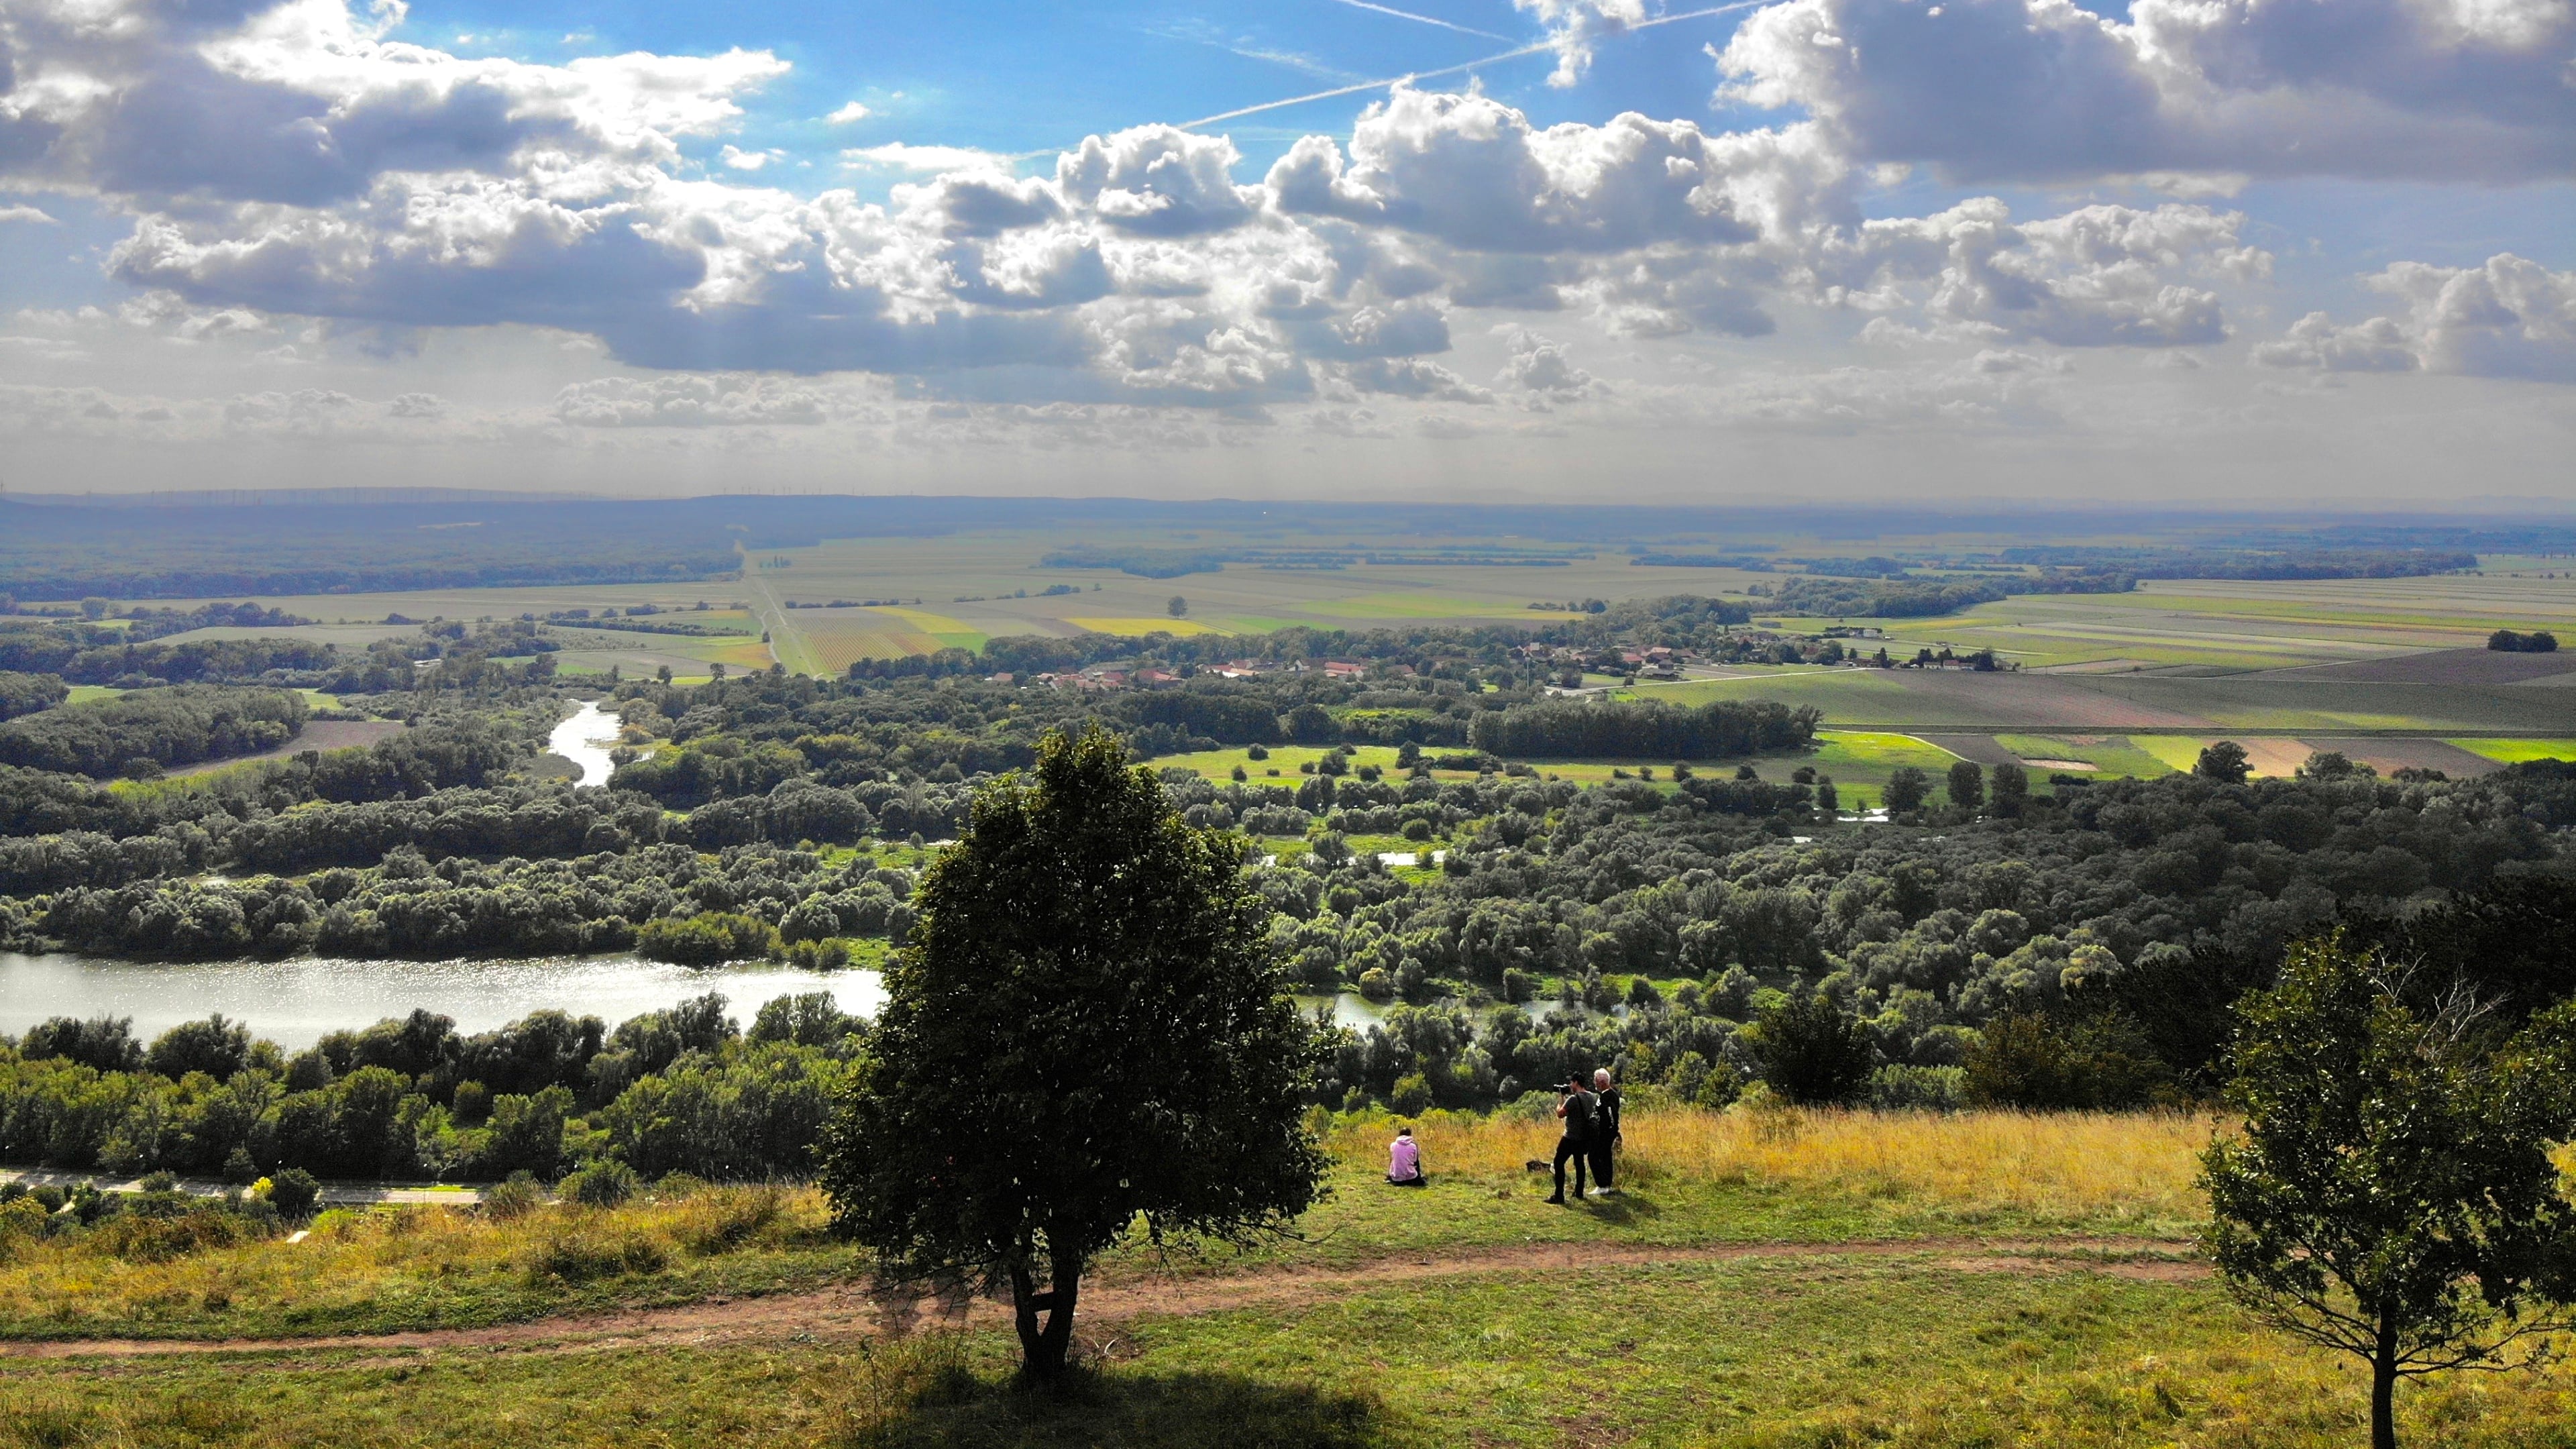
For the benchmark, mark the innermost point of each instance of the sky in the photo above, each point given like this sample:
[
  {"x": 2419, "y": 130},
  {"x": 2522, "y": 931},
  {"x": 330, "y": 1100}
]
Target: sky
[{"x": 2264, "y": 253}]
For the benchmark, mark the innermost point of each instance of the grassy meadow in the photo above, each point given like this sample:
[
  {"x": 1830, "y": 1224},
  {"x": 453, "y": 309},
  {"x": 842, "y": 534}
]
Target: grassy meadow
[{"x": 1766, "y": 1278}]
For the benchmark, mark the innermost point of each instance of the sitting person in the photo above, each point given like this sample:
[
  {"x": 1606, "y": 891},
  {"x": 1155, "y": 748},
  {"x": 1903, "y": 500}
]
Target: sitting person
[{"x": 1404, "y": 1161}]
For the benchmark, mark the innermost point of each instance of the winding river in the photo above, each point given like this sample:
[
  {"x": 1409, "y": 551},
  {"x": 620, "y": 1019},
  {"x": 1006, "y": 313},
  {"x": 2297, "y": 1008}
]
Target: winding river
[{"x": 585, "y": 739}]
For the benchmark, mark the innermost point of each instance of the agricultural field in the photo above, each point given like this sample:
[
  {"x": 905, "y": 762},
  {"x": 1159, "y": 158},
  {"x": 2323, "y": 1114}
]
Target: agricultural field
[
  {"x": 1850, "y": 757},
  {"x": 2129, "y": 683}
]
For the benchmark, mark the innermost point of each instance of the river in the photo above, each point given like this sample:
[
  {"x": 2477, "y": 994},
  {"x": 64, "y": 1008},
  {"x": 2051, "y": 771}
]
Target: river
[
  {"x": 295, "y": 1002},
  {"x": 584, "y": 739}
]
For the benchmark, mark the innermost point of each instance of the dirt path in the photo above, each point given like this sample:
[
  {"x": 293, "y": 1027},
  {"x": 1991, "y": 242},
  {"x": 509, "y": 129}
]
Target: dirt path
[{"x": 855, "y": 1310}]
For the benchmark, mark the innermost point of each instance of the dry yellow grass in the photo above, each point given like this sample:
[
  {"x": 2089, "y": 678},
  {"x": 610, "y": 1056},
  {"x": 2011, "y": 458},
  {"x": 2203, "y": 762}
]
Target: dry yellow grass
[
  {"x": 480, "y": 1267},
  {"x": 2067, "y": 1164}
]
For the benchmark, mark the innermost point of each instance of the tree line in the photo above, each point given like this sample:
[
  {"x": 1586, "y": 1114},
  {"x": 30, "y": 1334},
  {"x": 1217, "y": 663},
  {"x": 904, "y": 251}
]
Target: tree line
[
  {"x": 680, "y": 1090},
  {"x": 153, "y": 728}
]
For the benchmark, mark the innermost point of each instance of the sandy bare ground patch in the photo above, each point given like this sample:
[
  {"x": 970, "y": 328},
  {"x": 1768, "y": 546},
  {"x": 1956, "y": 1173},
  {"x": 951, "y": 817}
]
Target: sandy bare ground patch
[
  {"x": 855, "y": 1310},
  {"x": 2276, "y": 756},
  {"x": 321, "y": 734}
]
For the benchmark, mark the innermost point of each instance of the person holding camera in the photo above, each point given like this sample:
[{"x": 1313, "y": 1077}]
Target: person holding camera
[{"x": 1578, "y": 1108}]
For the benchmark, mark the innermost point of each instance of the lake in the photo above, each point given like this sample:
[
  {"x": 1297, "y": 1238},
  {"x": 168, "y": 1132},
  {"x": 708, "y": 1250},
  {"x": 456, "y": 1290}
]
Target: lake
[
  {"x": 295, "y": 1002},
  {"x": 585, "y": 739}
]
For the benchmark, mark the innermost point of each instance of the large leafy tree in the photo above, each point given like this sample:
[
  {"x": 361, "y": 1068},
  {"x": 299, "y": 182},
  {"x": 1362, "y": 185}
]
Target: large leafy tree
[
  {"x": 2392, "y": 1193},
  {"x": 1087, "y": 1032}
]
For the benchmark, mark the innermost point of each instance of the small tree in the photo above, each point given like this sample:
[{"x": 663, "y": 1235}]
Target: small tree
[
  {"x": 1906, "y": 790},
  {"x": 1088, "y": 1028},
  {"x": 1178, "y": 608},
  {"x": 2392, "y": 1193},
  {"x": 1967, "y": 785},
  {"x": 2224, "y": 762},
  {"x": 2011, "y": 786}
]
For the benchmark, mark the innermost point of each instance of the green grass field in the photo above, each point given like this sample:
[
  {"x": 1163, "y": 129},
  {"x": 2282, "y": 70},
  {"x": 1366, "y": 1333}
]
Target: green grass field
[
  {"x": 2515, "y": 752},
  {"x": 2110, "y": 755},
  {"x": 1812, "y": 1280}
]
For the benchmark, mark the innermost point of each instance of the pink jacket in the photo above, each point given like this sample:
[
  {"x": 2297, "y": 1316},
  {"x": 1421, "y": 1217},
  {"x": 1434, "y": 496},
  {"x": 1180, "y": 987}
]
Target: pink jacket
[{"x": 1403, "y": 1160}]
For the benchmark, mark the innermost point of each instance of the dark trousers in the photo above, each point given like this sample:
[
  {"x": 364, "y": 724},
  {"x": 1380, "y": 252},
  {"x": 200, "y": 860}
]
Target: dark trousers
[
  {"x": 1601, "y": 1165},
  {"x": 1567, "y": 1147}
]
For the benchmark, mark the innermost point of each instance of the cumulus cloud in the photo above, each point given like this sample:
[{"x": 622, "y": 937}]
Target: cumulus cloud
[
  {"x": 1539, "y": 365},
  {"x": 26, "y": 213},
  {"x": 1474, "y": 173},
  {"x": 2046, "y": 89},
  {"x": 2507, "y": 318},
  {"x": 2096, "y": 276},
  {"x": 304, "y": 103},
  {"x": 1158, "y": 181},
  {"x": 1575, "y": 26},
  {"x": 848, "y": 114}
]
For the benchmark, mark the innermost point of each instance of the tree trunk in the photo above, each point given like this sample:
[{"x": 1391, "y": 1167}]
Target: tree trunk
[
  {"x": 2383, "y": 1389},
  {"x": 1043, "y": 1345}
]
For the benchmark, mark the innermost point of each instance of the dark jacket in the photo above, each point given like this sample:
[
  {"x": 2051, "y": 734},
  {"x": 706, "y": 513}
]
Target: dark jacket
[{"x": 1582, "y": 1116}]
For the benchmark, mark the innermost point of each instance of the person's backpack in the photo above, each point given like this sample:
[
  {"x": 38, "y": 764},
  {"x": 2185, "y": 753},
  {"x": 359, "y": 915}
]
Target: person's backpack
[{"x": 1582, "y": 1116}]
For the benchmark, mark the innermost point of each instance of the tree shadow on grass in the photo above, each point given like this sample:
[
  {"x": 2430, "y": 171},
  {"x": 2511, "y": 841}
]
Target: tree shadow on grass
[{"x": 1094, "y": 1407}]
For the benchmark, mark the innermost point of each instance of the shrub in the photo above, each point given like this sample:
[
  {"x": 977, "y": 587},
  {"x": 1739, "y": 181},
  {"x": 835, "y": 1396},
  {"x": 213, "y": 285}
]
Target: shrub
[
  {"x": 152, "y": 1236},
  {"x": 292, "y": 1192},
  {"x": 1811, "y": 1053},
  {"x": 585, "y": 1253},
  {"x": 2039, "y": 1063},
  {"x": 723, "y": 1219},
  {"x": 1917, "y": 1089},
  {"x": 602, "y": 1184},
  {"x": 513, "y": 1198}
]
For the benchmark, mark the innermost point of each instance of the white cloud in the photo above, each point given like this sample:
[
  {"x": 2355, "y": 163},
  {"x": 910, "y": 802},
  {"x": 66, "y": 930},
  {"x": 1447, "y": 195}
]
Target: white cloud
[
  {"x": 852, "y": 112},
  {"x": 26, "y": 213},
  {"x": 898, "y": 156},
  {"x": 2507, "y": 318},
  {"x": 738, "y": 159},
  {"x": 2096, "y": 276},
  {"x": 2377, "y": 345},
  {"x": 1158, "y": 181},
  {"x": 2445, "y": 90},
  {"x": 1575, "y": 26},
  {"x": 1540, "y": 365},
  {"x": 303, "y": 103},
  {"x": 687, "y": 401}
]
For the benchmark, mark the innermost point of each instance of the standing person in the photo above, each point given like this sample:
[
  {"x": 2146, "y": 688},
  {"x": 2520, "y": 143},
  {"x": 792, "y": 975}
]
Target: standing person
[
  {"x": 1578, "y": 1107},
  {"x": 1605, "y": 1129},
  {"x": 1404, "y": 1160}
]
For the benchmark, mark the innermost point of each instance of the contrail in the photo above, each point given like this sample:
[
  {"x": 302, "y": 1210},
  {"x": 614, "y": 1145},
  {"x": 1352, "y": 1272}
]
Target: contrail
[
  {"x": 1419, "y": 75},
  {"x": 1425, "y": 19}
]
